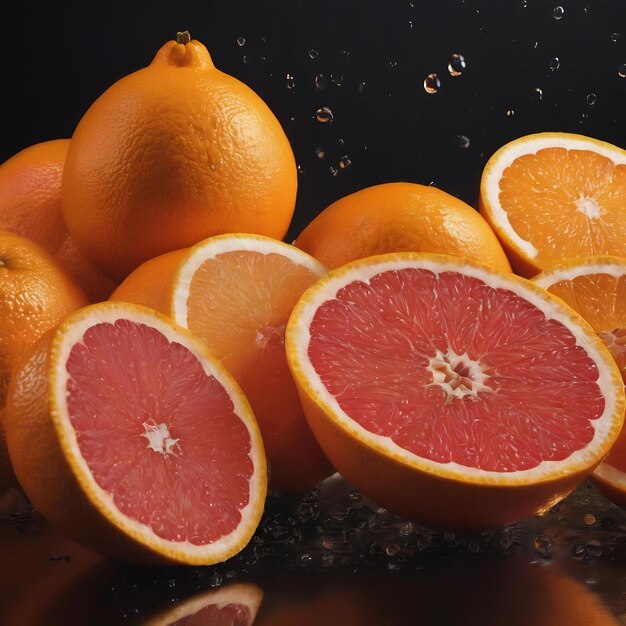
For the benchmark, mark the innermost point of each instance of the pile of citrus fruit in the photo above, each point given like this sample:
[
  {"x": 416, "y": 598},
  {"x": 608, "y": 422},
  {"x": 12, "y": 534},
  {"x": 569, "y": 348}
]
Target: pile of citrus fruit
[{"x": 163, "y": 354}]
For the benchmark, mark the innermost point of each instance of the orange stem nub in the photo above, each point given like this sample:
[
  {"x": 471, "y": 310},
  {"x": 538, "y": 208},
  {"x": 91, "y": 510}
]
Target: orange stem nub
[{"x": 183, "y": 37}]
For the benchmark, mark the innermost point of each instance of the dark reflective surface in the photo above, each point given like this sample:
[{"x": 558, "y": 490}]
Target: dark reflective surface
[{"x": 333, "y": 557}]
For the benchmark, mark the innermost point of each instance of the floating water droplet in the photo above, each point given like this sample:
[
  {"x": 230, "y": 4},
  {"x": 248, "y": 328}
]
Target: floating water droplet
[
  {"x": 558, "y": 12},
  {"x": 319, "y": 152},
  {"x": 411, "y": 24},
  {"x": 313, "y": 54},
  {"x": 538, "y": 91},
  {"x": 432, "y": 84},
  {"x": 449, "y": 535},
  {"x": 578, "y": 550},
  {"x": 535, "y": 45},
  {"x": 464, "y": 141},
  {"x": 321, "y": 82},
  {"x": 554, "y": 63},
  {"x": 473, "y": 547},
  {"x": 291, "y": 83},
  {"x": 591, "y": 99},
  {"x": 456, "y": 64},
  {"x": 231, "y": 574},
  {"x": 346, "y": 53},
  {"x": 393, "y": 63},
  {"x": 301, "y": 170},
  {"x": 337, "y": 79},
  {"x": 510, "y": 112},
  {"x": 523, "y": 4},
  {"x": 583, "y": 118},
  {"x": 345, "y": 162},
  {"x": 589, "y": 519},
  {"x": 361, "y": 87},
  {"x": 324, "y": 115},
  {"x": 392, "y": 549},
  {"x": 614, "y": 37},
  {"x": 171, "y": 583},
  {"x": 245, "y": 58},
  {"x": 241, "y": 41},
  {"x": 340, "y": 142},
  {"x": 305, "y": 558},
  {"x": 333, "y": 171},
  {"x": 621, "y": 72},
  {"x": 215, "y": 580}
]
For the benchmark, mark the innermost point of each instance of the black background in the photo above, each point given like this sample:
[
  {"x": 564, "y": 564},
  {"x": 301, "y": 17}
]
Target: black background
[{"x": 58, "y": 57}]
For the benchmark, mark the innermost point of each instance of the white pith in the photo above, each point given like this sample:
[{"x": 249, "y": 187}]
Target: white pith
[
  {"x": 299, "y": 338},
  {"x": 611, "y": 474},
  {"x": 551, "y": 277},
  {"x": 211, "y": 248},
  {"x": 245, "y": 594},
  {"x": 508, "y": 154},
  {"x": 443, "y": 368},
  {"x": 158, "y": 436},
  {"x": 72, "y": 335}
]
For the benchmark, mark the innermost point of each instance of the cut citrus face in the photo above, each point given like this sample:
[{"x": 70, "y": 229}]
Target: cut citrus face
[
  {"x": 449, "y": 393},
  {"x": 596, "y": 288},
  {"x": 555, "y": 196},
  {"x": 150, "y": 449},
  {"x": 234, "y": 605},
  {"x": 235, "y": 293}
]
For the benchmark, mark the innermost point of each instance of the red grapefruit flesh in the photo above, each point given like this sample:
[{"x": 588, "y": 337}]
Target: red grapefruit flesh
[
  {"x": 442, "y": 371},
  {"x": 159, "y": 441}
]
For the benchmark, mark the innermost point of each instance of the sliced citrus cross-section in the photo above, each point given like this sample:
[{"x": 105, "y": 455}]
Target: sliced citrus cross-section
[
  {"x": 126, "y": 432},
  {"x": 236, "y": 292},
  {"x": 555, "y": 196},
  {"x": 449, "y": 393},
  {"x": 596, "y": 288}
]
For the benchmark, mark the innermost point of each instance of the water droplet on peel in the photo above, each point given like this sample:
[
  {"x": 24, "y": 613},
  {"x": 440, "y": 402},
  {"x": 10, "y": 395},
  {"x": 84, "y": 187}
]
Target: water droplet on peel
[
  {"x": 558, "y": 12},
  {"x": 614, "y": 37},
  {"x": 345, "y": 162},
  {"x": 313, "y": 54},
  {"x": 324, "y": 115},
  {"x": 432, "y": 83},
  {"x": 510, "y": 113},
  {"x": 589, "y": 519},
  {"x": 591, "y": 99},
  {"x": 291, "y": 83},
  {"x": 554, "y": 63},
  {"x": 241, "y": 41},
  {"x": 621, "y": 72},
  {"x": 464, "y": 141},
  {"x": 319, "y": 152},
  {"x": 456, "y": 64},
  {"x": 321, "y": 82}
]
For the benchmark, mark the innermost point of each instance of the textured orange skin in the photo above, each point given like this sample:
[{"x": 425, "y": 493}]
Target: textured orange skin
[
  {"x": 30, "y": 206},
  {"x": 435, "y": 500},
  {"x": 296, "y": 466},
  {"x": 172, "y": 154},
  {"x": 400, "y": 217},
  {"x": 35, "y": 295}
]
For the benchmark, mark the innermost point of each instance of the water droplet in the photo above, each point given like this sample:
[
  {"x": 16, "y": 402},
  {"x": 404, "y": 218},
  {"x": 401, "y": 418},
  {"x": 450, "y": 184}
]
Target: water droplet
[
  {"x": 361, "y": 86},
  {"x": 614, "y": 37},
  {"x": 393, "y": 63},
  {"x": 324, "y": 115},
  {"x": 523, "y": 4},
  {"x": 231, "y": 574},
  {"x": 594, "y": 548},
  {"x": 558, "y": 12},
  {"x": 432, "y": 83},
  {"x": 406, "y": 528},
  {"x": 392, "y": 549},
  {"x": 305, "y": 558},
  {"x": 291, "y": 83},
  {"x": 578, "y": 550},
  {"x": 449, "y": 535},
  {"x": 313, "y": 54},
  {"x": 535, "y": 45},
  {"x": 621, "y": 72},
  {"x": 583, "y": 118},
  {"x": 319, "y": 152},
  {"x": 344, "y": 162},
  {"x": 591, "y": 99},
  {"x": 215, "y": 580},
  {"x": 346, "y": 53},
  {"x": 538, "y": 91},
  {"x": 246, "y": 58},
  {"x": 337, "y": 79},
  {"x": 474, "y": 547},
  {"x": 241, "y": 41},
  {"x": 456, "y": 64},
  {"x": 510, "y": 112},
  {"x": 411, "y": 24},
  {"x": 542, "y": 544},
  {"x": 321, "y": 82},
  {"x": 301, "y": 170},
  {"x": 554, "y": 63},
  {"x": 464, "y": 141},
  {"x": 171, "y": 583},
  {"x": 333, "y": 171},
  {"x": 340, "y": 142},
  {"x": 589, "y": 519}
]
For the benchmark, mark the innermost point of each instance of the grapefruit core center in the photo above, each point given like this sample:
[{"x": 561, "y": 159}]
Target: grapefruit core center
[
  {"x": 158, "y": 432},
  {"x": 457, "y": 374}
]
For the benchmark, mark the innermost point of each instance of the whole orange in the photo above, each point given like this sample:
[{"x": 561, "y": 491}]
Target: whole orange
[
  {"x": 400, "y": 217},
  {"x": 30, "y": 206},
  {"x": 35, "y": 295},
  {"x": 172, "y": 154}
]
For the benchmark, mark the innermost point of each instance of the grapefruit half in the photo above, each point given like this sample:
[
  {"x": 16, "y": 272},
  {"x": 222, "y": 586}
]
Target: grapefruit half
[
  {"x": 128, "y": 434},
  {"x": 449, "y": 393}
]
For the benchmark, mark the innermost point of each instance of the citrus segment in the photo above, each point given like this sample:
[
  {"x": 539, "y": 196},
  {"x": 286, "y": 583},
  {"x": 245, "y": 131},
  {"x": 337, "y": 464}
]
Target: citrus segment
[
  {"x": 554, "y": 196},
  {"x": 142, "y": 429},
  {"x": 595, "y": 287},
  {"x": 235, "y": 293},
  {"x": 436, "y": 366}
]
